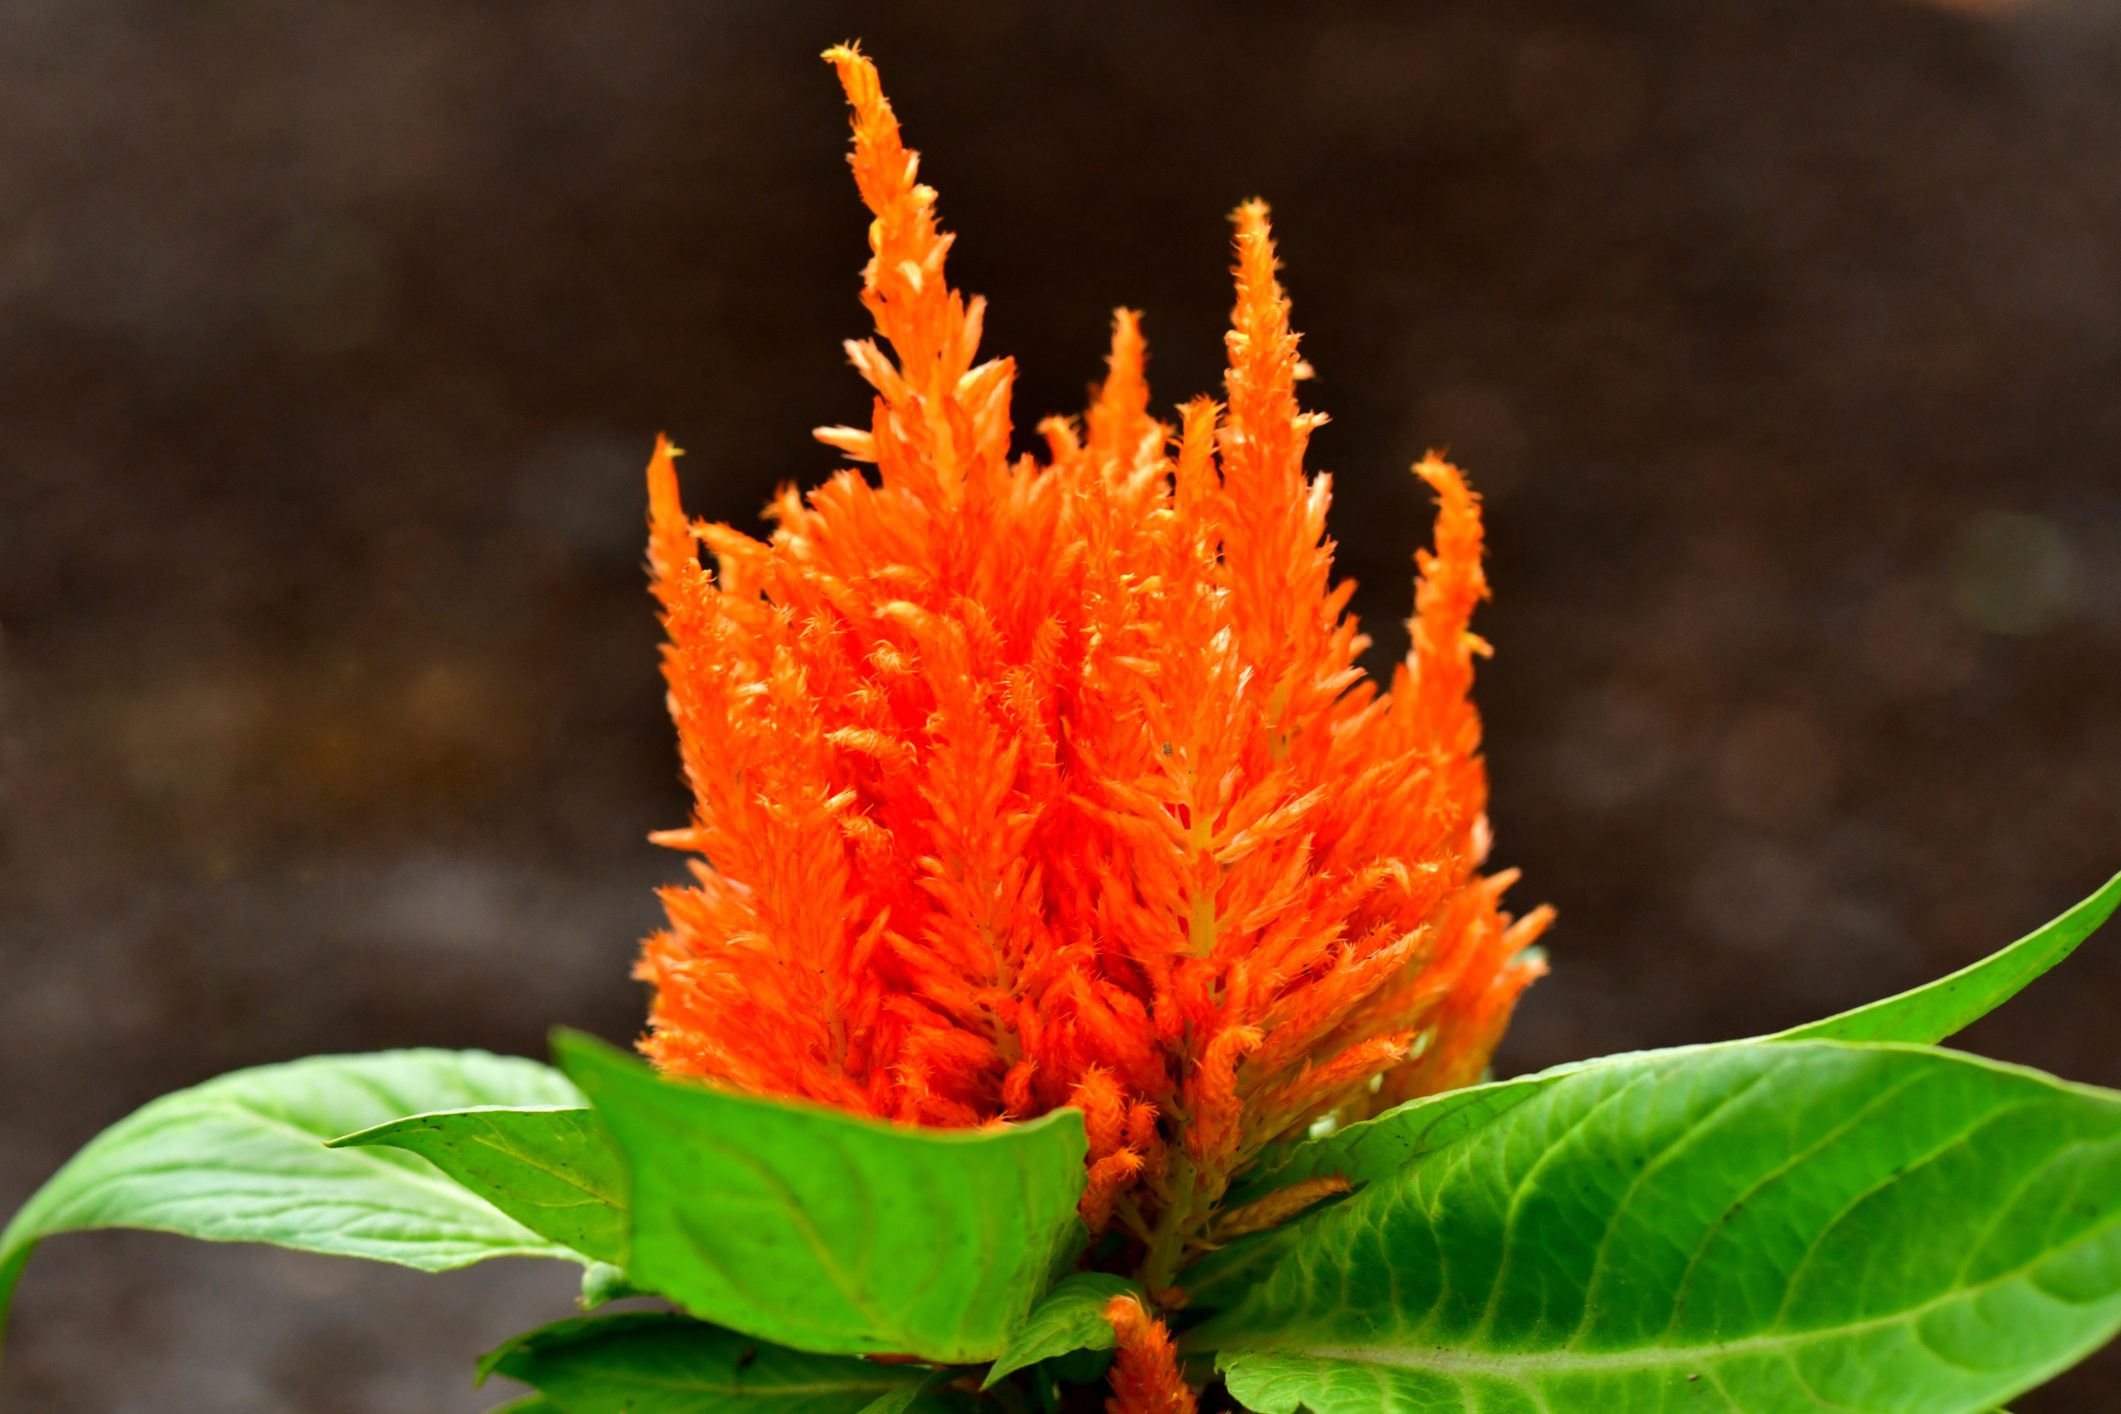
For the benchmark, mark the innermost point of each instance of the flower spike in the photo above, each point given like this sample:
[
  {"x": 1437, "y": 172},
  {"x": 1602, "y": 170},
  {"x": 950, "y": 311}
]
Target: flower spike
[
  {"x": 1023, "y": 782},
  {"x": 1145, "y": 1374}
]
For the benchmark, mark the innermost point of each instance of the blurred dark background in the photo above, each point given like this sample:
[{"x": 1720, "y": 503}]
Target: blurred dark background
[{"x": 1785, "y": 340}]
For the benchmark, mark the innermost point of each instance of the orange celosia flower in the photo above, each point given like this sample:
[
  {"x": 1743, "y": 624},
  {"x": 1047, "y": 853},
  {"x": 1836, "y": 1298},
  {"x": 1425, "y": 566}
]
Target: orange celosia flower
[
  {"x": 1025, "y": 782},
  {"x": 1145, "y": 1374}
]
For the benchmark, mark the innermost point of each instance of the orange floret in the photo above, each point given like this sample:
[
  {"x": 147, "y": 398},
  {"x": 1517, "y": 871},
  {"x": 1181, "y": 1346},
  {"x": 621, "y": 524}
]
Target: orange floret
[
  {"x": 1049, "y": 780},
  {"x": 1145, "y": 1374}
]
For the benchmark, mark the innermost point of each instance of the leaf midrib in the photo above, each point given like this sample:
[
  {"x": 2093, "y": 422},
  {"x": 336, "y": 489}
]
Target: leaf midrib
[
  {"x": 435, "y": 1183},
  {"x": 438, "y": 1187},
  {"x": 1447, "y": 1360},
  {"x": 595, "y": 1196}
]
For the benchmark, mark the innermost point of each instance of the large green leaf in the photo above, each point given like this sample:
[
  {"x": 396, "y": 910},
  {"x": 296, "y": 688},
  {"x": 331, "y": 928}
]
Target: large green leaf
[
  {"x": 1950, "y": 1004},
  {"x": 927, "y": 1397},
  {"x": 242, "y": 1159},
  {"x": 1376, "y": 1148},
  {"x": 1071, "y": 1317},
  {"x": 603, "y": 1283},
  {"x": 553, "y": 1170},
  {"x": 828, "y": 1232},
  {"x": 1807, "y": 1226},
  {"x": 657, "y": 1363},
  {"x": 1379, "y": 1148}
]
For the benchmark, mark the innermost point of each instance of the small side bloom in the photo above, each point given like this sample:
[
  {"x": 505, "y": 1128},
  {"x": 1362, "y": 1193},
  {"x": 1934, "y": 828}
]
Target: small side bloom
[{"x": 1145, "y": 1375}]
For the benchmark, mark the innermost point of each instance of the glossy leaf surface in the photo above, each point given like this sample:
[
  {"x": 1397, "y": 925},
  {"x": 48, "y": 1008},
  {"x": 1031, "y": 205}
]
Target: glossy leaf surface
[
  {"x": 1375, "y": 1148},
  {"x": 1760, "y": 1228},
  {"x": 553, "y": 1170},
  {"x": 1071, "y": 1317},
  {"x": 657, "y": 1363},
  {"x": 1947, "y": 1006},
  {"x": 242, "y": 1158},
  {"x": 828, "y": 1232}
]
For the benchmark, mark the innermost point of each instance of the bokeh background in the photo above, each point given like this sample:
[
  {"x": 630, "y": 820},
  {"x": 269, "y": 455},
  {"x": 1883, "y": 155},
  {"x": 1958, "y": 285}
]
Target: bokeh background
[{"x": 1785, "y": 340}]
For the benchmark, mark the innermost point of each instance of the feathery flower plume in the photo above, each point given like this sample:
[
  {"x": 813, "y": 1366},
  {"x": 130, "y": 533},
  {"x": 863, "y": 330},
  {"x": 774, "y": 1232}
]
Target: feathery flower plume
[
  {"x": 1033, "y": 781},
  {"x": 1145, "y": 1374}
]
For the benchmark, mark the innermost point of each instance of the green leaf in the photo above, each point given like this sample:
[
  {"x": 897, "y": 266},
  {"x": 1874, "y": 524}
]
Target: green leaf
[
  {"x": 1376, "y": 1148},
  {"x": 603, "y": 1283},
  {"x": 658, "y": 1363},
  {"x": 553, "y": 1170},
  {"x": 1952, "y": 1003},
  {"x": 1755, "y": 1228},
  {"x": 529, "y": 1404},
  {"x": 1070, "y": 1318},
  {"x": 834, "y": 1233},
  {"x": 914, "y": 1397},
  {"x": 242, "y": 1159}
]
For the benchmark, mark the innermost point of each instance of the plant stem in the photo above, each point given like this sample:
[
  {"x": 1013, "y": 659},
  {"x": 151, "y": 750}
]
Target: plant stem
[{"x": 1167, "y": 1242}]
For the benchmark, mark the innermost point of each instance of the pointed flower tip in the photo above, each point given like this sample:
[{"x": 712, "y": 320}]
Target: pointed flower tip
[
  {"x": 858, "y": 76},
  {"x": 669, "y": 538},
  {"x": 663, "y": 474},
  {"x": 1124, "y": 363},
  {"x": 1146, "y": 1377},
  {"x": 1259, "y": 293},
  {"x": 1255, "y": 233},
  {"x": 1446, "y": 479},
  {"x": 1125, "y": 1315},
  {"x": 847, "y": 56}
]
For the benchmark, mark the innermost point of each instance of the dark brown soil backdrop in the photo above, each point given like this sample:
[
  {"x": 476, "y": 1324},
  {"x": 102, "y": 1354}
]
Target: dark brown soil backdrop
[{"x": 1783, "y": 338}]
